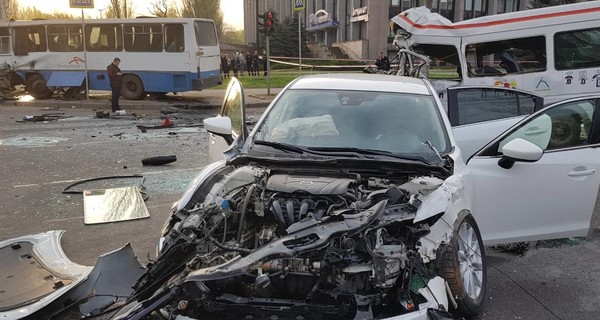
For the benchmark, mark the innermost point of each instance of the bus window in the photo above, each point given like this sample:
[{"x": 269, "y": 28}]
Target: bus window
[
  {"x": 205, "y": 33},
  {"x": 444, "y": 60},
  {"x": 507, "y": 56},
  {"x": 30, "y": 39},
  {"x": 143, "y": 38},
  {"x": 174, "y": 38},
  {"x": 64, "y": 38},
  {"x": 103, "y": 38},
  {"x": 4, "y": 41},
  {"x": 577, "y": 49}
]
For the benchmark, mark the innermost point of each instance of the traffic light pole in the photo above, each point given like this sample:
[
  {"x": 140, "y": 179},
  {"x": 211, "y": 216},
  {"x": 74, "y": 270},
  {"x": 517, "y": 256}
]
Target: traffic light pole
[{"x": 268, "y": 71}]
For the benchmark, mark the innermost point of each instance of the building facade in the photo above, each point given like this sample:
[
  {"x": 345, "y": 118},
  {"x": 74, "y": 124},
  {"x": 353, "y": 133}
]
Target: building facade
[{"x": 360, "y": 29}]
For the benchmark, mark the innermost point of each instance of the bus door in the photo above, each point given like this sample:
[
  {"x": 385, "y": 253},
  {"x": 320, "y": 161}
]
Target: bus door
[{"x": 208, "y": 55}]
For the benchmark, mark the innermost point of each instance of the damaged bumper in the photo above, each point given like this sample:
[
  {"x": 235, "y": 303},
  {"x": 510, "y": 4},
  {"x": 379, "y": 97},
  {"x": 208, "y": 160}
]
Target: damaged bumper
[{"x": 40, "y": 280}]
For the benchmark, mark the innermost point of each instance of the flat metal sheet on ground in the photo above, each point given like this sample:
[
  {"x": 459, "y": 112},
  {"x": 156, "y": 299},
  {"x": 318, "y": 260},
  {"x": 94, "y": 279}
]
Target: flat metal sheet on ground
[{"x": 112, "y": 205}]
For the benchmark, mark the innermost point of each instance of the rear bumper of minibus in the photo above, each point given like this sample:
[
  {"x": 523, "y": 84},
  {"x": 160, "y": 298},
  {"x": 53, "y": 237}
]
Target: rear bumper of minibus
[{"x": 200, "y": 84}]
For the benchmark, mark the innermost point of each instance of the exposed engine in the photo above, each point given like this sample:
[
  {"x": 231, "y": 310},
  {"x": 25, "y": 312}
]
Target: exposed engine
[{"x": 264, "y": 243}]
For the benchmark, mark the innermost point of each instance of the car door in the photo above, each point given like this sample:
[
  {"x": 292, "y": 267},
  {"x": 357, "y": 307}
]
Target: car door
[
  {"x": 553, "y": 197},
  {"x": 480, "y": 114},
  {"x": 233, "y": 107}
]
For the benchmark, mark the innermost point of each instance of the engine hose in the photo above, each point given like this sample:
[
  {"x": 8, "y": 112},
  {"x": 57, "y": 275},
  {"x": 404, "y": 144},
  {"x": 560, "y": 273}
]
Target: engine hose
[
  {"x": 244, "y": 209},
  {"x": 303, "y": 209},
  {"x": 278, "y": 214},
  {"x": 289, "y": 207},
  {"x": 226, "y": 247}
]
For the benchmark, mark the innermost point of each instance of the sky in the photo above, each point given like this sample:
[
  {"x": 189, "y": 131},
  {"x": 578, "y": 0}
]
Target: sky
[{"x": 233, "y": 10}]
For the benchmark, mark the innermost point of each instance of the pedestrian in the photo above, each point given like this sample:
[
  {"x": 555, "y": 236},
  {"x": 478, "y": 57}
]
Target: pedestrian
[
  {"x": 249, "y": 63},
  {"x": 255, "y": 59},
  {"x": 265, "y": 62},
  {"x": 242, "y": 62},
  {"x": 382, "y": 63},
  {"x": 116, "y": 79},
  {"x": 225, "y": 64},
  {"x": 235, "y": 66}
]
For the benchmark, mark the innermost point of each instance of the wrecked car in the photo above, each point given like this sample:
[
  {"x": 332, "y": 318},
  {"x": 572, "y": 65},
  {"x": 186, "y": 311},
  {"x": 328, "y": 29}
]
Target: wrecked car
[{"x": 350, "y": 199}]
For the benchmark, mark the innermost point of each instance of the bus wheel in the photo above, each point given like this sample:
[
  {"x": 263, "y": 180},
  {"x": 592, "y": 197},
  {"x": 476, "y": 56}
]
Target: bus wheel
[
  {"x": 132, "y": 87},
  {"x": 36, "y": 86}
]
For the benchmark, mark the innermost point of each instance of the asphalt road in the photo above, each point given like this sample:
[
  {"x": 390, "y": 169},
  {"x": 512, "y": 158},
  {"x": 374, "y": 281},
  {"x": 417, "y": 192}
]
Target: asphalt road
[{"x": 556, "y": 280}]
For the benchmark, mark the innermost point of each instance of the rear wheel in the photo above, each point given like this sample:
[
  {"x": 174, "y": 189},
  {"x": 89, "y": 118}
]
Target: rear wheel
[
  {"x": 132, "y": 87},
  {"x": 461, "y": 264},
  {"x": 36, "y": 86},
  {"x": 566, "y": 131}
]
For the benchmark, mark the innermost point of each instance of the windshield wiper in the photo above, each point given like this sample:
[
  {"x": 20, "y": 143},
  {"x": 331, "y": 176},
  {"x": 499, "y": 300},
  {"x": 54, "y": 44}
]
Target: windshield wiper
[
  {"x": 430, "y": 145},
  {"x": 281, "y": 146},
  {"x": 362, "y": 152}
]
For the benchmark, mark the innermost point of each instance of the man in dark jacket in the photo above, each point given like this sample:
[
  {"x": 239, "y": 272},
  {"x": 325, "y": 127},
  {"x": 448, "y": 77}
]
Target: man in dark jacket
[
  {"x": 382, "y": 63},
  {"x": 116, "y": 78}
]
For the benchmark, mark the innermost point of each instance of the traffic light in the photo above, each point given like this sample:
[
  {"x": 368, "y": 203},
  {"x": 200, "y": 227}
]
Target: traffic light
[
  {"x": 261, "y": 22},
  {"x": 269, "y": 22}
]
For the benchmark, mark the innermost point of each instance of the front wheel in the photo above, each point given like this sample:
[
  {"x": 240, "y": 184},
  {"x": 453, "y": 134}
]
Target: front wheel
[
  {"x": 132, "y": 87},
  {"x": 36, "y": 86},
  {"x": 462, "y": 265}
]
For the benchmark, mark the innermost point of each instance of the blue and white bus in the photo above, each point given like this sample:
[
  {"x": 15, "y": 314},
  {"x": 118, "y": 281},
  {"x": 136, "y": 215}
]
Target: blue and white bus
[{"x": 159, "y": 55}]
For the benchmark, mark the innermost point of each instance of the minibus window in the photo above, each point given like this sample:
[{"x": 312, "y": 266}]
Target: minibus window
[
  {"x": 509, "y": 56},
  {"x": 577, "y": 49}
]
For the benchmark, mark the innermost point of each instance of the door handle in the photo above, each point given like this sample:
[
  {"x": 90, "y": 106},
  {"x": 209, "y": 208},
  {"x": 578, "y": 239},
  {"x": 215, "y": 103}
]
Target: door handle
[
  {"x": 581, "y": 173},
  {"x": 535, "y": 131}
]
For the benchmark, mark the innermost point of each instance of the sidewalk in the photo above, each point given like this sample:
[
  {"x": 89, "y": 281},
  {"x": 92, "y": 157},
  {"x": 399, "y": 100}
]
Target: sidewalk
[{"x": 100, "y": 100}]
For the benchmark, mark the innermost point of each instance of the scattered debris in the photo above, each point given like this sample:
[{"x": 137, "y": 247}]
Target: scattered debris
[
  {"x": 102, "y": 114},
  {"x": 30, "y": 141},
  {"x": 45, "y": 117},
  {"x": 158, "y": 160},
  {"x": 112, "y": 205}
]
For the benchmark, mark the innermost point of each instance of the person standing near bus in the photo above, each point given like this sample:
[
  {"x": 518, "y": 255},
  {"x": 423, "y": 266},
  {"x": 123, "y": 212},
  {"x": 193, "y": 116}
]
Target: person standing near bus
[
  {"x": 255, "y": 60},
  {"x": 249, "y": 63},
  {"x": 116, "y": 79}
]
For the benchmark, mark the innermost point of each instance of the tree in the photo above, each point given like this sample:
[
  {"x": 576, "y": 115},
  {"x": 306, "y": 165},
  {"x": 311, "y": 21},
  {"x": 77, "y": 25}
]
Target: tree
[
  {"x": 10, "y": 9},
  {"x": 232, "y": 36},
  {"x": 30, "y": 13},
  {"x": 210, "y": 9},
  {"x": 547, "y": 3},
  {"x": 120, "y": 9},
  {"x": 164, "y": 9},
  {"x": 284, "y": 40}
]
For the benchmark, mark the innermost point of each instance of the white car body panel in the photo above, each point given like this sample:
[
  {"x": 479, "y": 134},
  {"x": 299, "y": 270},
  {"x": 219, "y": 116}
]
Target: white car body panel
[{"x": 533, "y": 201}]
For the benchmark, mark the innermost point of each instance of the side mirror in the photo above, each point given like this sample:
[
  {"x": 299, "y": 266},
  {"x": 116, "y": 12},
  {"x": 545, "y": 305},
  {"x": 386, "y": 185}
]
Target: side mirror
[
  {"x": 220, "y": 126},
  {"x": 519, "y": 150}
]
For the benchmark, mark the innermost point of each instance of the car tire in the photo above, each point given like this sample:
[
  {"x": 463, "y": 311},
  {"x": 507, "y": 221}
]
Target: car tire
[
  {"x": 132, "y": 87},
  {"x": 462, "y": 265},
  {"x": 37, "y": 88},
  {"x": 566, "y": 131}
]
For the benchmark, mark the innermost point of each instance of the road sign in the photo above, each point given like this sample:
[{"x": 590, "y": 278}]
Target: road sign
[
  {"x": 298, "y": 5},
  {"x": 81, "y": 4}
]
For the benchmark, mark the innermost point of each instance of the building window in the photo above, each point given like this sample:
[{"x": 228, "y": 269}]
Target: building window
[
  {"x": 394, "y": 3},
  {"x": 475, "y": 8},
  {"x": 444, "y": 7},
  {"x": 505, "y": 6}
]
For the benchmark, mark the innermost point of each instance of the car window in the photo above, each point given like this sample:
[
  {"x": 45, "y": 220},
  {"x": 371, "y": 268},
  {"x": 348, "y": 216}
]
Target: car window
[
  {"x": 394, "y": 122},
  {"x": 564, "y": 126},
  {"x": 486, "y": 104},
  {"x": 232, "y": 108}
]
